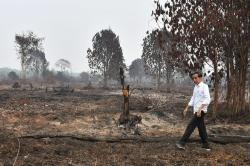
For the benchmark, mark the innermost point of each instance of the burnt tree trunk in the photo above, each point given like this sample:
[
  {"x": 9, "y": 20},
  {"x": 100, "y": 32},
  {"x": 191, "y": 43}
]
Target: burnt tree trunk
[
  {"x": 236, "y": 102},
  {"x": 125, "y": 118},
  {"x": 105, "y": 80},
  {"x": 125, "y": 92},
  {"x": 23, "y": 67},
  {"x": 228, "y": 83},
  {"x": 216, "y": 87}
]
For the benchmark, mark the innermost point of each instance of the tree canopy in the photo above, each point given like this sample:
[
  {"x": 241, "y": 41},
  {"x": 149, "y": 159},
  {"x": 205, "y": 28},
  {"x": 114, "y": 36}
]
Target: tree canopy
[
  {"x": 211, "y": 31},
  {"x": 156, "y": 54},
  {"x": 106, "y": 56},
  {"x": 26, "y": 44}
]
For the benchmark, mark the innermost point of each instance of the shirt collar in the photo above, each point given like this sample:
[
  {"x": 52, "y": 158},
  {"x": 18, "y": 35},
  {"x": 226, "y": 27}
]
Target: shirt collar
[{"x": 201, "y": 83}]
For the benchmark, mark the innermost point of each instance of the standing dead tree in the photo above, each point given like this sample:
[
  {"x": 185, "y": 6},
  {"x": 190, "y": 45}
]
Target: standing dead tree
[{"x": 129, "y": 121}]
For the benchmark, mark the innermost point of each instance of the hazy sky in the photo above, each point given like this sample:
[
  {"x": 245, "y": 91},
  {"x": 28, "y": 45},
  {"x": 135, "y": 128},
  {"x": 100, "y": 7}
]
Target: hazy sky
[{"x": 69, "y": 25}]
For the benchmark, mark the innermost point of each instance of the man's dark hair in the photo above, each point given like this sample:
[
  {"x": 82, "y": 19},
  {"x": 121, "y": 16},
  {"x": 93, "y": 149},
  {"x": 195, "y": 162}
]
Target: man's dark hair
[{"x": 196, "y": 72}]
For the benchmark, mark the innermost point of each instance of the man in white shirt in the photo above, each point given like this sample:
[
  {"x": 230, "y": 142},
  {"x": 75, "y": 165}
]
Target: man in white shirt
[{"x": 199, "y": 101}]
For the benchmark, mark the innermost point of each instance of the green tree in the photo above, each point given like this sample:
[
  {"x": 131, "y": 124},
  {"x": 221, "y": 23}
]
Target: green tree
[
  {"x": 85, "y": 77},
  {"x": 136, "y": 69},
  {"x": 13, "y": 76},
  {"x": 106, "y": 56}
]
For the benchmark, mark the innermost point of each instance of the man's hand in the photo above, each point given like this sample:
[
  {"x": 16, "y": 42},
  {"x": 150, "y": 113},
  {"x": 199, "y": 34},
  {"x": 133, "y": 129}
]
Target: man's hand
[
  {"x": 198, "y": 113},
  {"x": 185, "y": 111},
  {"x": 200, "y": 109}
]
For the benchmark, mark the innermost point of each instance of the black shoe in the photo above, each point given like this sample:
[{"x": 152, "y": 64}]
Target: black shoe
[
  {"x": 206, "y": 147},
  {"x": 180, "y": 146}
]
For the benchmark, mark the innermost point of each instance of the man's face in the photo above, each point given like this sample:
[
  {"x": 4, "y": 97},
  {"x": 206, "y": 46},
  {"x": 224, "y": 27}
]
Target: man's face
[{"x": 196, "y": 79}]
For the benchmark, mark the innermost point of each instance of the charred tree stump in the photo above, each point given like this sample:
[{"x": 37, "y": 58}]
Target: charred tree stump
[
  {"x": 16, "y": 85},
  {"x": 125, "y": 92},
  {"x": 129, "y": 121}
]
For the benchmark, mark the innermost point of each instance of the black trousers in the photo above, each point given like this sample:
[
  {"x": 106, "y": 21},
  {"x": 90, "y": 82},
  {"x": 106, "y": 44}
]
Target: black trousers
[{"x": 196, "y": 122}]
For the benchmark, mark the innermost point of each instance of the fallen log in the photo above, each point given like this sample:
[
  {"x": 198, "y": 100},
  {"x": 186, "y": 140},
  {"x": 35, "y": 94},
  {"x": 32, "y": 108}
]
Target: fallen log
[
  {"x": 99, "y": 138},
  {"x": 219, "y": 139},
  {"x": 225, "y": 139},
  {"x": 63, "y": 89}
]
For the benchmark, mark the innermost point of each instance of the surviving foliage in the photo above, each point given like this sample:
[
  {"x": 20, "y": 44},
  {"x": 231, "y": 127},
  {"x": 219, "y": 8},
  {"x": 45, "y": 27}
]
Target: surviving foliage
[
  {"x": 106, "y": 56},
  {"x": 215, "y": 32}
]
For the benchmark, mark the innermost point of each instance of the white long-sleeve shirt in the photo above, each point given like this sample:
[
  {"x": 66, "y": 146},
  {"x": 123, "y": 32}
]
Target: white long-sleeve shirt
[{"x": 200, "y": 96}]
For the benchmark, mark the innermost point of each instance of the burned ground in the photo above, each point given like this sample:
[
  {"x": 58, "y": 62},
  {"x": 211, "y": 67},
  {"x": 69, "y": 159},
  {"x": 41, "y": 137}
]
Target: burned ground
[{"x": 64, "y": 118}]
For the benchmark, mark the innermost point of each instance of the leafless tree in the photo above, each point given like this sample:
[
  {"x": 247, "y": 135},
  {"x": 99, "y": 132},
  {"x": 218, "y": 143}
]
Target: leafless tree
[
  {"x": 64, "y": 65},
  {"x": 25, "y": 44}
]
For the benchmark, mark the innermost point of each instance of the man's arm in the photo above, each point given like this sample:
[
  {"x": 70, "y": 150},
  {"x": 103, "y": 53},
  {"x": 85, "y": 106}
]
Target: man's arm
[
  {"x": 190, "y": 104},
  {"x": 206, "y": 100},
  {"x": 185, "y": 110}
]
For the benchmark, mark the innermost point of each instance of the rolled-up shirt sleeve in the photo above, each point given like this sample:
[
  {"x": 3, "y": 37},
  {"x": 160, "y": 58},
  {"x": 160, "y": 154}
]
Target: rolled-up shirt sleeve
[{"x": 207, "y": 98}]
